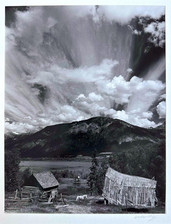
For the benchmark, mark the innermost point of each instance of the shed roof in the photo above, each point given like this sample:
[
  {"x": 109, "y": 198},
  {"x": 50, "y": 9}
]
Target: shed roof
[
  {"x": 128, "y": 180},
  {"x": 46, "y": 179}
]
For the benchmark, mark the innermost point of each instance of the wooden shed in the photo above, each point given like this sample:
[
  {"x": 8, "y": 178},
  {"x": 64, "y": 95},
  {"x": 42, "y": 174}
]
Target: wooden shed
[
  {"x": 126, "y": 190},
  {"x": 45, "y": 181}
]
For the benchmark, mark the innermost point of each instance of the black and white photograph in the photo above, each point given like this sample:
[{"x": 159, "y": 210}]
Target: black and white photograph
[{"x": 85, "y": 109}]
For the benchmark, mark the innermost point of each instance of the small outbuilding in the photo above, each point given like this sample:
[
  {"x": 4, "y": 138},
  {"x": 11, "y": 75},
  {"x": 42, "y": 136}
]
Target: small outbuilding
[
  {"x": 45, "y": 181},
  {"x": 126, "y": 190}
]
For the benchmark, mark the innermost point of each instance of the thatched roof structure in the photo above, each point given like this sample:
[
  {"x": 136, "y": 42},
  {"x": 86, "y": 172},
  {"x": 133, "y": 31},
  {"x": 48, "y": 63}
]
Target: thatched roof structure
[
  {"x": 46, "y": 179},
  {"x": 125, "y": 189},
  {"x": 128, "y": 180}
]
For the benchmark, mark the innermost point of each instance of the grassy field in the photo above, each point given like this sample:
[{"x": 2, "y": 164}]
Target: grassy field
[
  {"x": 91, "y": 205},
  {"x": 56, "y": 164}
]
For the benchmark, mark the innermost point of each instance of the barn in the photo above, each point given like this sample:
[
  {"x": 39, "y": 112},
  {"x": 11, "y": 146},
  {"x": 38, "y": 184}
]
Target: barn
[
  {"x": 126, "y": 190},
  {"x": 45, "y": 181},
  {"x": 40, "y": 186}
]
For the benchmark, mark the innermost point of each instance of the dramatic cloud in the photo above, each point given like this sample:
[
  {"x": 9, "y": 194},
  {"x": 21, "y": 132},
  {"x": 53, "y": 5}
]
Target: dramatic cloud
[
  {"x": 161, "y": 109},
  {"x": 63, "y": 65},
  {"x": 31, "y": 24},
  {"x": 69, "y": 99},
  {"x": 94, "y": 97},
  {"x": 18, "y": 127},
  {"x": 138, "y": 93},
  {"x": 145, "y": 92},
  {"x": 157, "y": 31}
]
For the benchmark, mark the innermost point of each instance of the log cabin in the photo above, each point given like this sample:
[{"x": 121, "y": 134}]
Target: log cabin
[{"x": 44, "y": 181}]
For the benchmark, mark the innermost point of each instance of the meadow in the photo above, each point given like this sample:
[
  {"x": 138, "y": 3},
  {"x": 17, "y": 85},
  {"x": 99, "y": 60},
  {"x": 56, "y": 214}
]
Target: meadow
[{"x": 60, "y": 168}]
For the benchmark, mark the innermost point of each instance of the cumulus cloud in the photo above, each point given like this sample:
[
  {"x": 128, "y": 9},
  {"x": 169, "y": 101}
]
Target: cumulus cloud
[
  {"x": 138, "y": 93},
  {"x": 157, "y": 31},
  {"x": 134, "y": 118},
  {"x": 84, "y": 73},
  {"x": 69, "y": 113},
  {"x": 145, "y": 93},
  {"x": 161, "y": 109},
  {"x": 96, "y": 98},
  {"x": 18, "y": 127}
]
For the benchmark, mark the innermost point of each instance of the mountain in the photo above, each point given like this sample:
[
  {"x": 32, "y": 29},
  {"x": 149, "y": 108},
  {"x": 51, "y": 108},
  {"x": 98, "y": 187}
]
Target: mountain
[{"x": 102, "y": 134}]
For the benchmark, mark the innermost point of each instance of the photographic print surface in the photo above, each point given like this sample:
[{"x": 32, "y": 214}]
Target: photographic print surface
[{"x": 85, "y": 109}]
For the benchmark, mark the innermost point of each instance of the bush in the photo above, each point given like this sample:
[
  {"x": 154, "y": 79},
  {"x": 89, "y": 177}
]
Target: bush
[{"x": 64, "y": 174}]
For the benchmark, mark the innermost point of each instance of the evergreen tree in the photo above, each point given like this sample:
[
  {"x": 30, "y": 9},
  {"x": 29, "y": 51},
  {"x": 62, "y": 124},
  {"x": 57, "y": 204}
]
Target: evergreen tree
[
  {"x": 24, "y": 176},
  {"x": 93, "y": 175},
  {"x": 12, "y": 161},
  {"x": 101, "y": 176}
]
